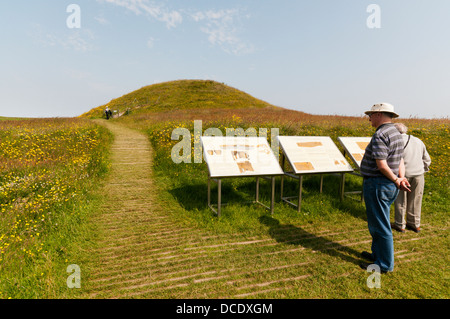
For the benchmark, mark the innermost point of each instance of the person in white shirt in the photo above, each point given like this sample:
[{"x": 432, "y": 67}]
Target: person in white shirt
[{"x": 417, "y": 163}]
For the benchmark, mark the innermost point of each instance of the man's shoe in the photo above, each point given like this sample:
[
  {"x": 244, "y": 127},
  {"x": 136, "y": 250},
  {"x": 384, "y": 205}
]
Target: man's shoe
[
  {"x": 413, "y": 228},
  {"x": 397, "y": 228},
  {"x": 367, "y": 255},
  {"x": 364, "y": 266}
]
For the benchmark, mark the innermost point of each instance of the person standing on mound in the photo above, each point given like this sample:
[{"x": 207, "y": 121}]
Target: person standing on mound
[
  {"x": 108, "y": 113},
  {"x": 383, "y": 170}
]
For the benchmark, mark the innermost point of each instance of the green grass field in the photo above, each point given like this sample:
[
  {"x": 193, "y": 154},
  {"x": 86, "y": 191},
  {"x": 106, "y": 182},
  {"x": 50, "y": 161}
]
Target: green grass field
[
  {"x": 47, "y": 168},
  {"x": 153, "y": 235}
]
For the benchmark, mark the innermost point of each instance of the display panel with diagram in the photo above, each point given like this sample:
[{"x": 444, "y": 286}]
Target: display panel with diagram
[
  {"x": 239, "y": 156},
  {"x": 355, "y": 148},
  {"x": 313, "y": 154}
]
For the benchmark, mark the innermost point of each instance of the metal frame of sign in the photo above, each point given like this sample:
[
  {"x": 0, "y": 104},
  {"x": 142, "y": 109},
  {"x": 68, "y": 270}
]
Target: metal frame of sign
[
  {"x": 298, "y": 173},
  {"x": 234, "y": 145},
  {"x": 217, "y": 208},
  {"x": 356, "y": 157}
]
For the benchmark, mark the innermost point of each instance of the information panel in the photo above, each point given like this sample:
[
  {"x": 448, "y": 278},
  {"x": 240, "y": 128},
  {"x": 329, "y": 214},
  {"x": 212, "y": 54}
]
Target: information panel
[
  {"x": 239, "y": 156},
  {"x": 313, "y": 154},
  {"x": 355, "y": 147}
]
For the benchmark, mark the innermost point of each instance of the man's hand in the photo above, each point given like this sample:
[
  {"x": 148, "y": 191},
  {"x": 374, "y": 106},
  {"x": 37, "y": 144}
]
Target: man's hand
[{"x": 403, "y": 184}]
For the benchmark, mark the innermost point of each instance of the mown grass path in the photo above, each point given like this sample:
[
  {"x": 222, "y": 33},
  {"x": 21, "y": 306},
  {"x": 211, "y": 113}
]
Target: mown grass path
[{"x": 142, "y": 252}]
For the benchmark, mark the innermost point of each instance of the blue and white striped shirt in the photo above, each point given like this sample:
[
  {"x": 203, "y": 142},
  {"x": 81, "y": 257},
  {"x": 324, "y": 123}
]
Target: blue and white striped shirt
[{"x": 386, "y": 144}]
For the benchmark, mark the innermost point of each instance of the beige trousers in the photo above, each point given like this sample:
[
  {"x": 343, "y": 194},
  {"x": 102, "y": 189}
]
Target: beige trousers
[{"x": 410, "y": 204}]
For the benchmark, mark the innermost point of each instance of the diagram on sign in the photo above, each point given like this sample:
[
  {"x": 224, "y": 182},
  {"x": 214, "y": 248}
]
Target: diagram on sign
[
  {"x": 355, "y": 147},
  {"x": 313, "y": 154},
  {"x": 239, "y": 156}
]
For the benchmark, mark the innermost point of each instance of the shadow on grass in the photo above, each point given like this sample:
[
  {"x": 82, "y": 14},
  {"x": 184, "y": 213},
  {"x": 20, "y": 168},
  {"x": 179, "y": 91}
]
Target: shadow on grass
[
  {"x": 195, "y": 196},
  {"x": 294, "y": 235},
  {"x": 192, "y": 195},
  {"x": 351, "y": 204}
]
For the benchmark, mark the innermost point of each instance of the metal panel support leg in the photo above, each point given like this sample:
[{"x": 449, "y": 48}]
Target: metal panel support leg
[
  {"x": 341, "y": 190},
  {"x": 273, "y": 196},
  {"x": 321, "y": 183},
  {"x": 257, "y": 189},
  {"x": 300, "y": 183},
  {"x": 219, "y": 196},
  {"x": 283, "y": 161},
  {"x": 209, "y": 192}
]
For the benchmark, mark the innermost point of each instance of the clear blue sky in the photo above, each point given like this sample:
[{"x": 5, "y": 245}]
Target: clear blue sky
[{"x": 316, "y": 56}]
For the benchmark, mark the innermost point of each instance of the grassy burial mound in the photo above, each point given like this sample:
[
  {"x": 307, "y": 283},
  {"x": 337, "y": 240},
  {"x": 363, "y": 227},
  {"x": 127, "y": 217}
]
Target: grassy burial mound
[{"x": 180, "y": 95}]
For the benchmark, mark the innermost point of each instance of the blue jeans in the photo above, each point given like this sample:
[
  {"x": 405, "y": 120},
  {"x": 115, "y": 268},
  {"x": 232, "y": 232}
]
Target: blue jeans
[{"x": 379, "y": 194}]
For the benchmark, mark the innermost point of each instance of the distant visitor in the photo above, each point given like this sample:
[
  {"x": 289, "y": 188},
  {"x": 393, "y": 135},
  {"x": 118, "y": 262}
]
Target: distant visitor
[{"x": 108, "y": 113}]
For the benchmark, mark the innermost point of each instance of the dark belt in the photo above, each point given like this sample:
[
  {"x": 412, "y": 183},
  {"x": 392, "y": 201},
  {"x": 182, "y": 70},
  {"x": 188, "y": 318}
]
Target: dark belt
[{"x": 369, "y": 177}]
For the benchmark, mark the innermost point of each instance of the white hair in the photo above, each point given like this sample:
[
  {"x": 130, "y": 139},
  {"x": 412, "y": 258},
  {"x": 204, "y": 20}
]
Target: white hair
[{"x": 401, "y": 128}]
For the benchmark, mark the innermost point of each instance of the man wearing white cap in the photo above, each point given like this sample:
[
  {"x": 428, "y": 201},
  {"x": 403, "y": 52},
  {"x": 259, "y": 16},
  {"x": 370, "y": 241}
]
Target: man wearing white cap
[{"x": 383, "y": 170}]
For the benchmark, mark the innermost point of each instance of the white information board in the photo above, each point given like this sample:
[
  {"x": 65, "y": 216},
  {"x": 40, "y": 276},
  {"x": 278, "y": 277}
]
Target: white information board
[
  {"x": 313, "y": 154},
  {"x": 355, "y": 147},
  {"x": 239, "y": 156}
]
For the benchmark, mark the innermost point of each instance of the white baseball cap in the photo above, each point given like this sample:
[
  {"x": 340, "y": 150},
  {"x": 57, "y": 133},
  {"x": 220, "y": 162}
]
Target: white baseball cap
[{"x": 382, "y": 107}]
